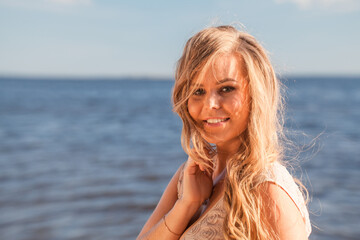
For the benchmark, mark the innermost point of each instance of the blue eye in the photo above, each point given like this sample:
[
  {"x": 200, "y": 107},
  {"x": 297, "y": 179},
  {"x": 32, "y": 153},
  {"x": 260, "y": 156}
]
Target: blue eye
[
  {"x": 199, "y": 92},
  {"x": 227, "y": 89}
]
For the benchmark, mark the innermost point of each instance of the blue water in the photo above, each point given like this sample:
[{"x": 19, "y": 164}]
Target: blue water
[{"x": 90, "y": 159}]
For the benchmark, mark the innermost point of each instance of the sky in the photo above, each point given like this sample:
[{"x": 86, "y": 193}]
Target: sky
[{"x": 124, "y": 38}]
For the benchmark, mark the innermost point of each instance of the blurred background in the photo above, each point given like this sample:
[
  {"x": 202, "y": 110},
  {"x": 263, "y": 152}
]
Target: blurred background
[{"x": 88, "y": 139}]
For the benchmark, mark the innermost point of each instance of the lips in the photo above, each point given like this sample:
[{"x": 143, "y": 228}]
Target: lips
[{"x": 216, "y": 121}]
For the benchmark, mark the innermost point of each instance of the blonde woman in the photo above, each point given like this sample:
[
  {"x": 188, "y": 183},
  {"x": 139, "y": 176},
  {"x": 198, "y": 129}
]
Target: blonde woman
[{"x": 233, "y": 185}]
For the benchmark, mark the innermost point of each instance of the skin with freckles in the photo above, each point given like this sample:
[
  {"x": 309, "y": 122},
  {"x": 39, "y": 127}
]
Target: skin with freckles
[{"x": 220, "y": 103}]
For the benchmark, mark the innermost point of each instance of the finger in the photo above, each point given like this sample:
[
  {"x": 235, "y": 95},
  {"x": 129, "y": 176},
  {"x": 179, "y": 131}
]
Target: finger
[
  {"x": 201, "y": 167},
  {"x": 191, "y": 163},
  {"x": 209, "y": 172},
  {"x": 191, "y": 167}
]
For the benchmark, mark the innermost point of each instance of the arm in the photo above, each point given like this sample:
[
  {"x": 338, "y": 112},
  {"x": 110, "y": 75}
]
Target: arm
[
  {"x": 177, "y": 212},
  {"x": 282, "y": 213}
]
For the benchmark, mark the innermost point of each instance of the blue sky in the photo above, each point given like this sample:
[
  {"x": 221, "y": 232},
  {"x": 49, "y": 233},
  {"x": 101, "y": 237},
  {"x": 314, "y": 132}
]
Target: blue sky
[{"x": 92, "y": 38}]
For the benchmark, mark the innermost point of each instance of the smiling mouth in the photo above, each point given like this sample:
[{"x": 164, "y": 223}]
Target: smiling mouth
[{"x": 216, "y": 120}]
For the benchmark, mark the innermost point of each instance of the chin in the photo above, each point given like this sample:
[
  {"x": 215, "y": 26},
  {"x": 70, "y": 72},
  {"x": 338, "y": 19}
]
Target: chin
[{"x": 214, "y": 140}]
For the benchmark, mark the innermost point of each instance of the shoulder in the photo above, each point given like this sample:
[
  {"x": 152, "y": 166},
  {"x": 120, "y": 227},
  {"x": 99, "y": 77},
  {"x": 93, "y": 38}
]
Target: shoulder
[
  {"x": 282, "y": 213},
  {"x": 288, "y": 209}
]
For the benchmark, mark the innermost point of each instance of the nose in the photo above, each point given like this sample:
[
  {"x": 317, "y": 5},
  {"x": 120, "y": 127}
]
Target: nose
[{"x": 213, "y": 100}]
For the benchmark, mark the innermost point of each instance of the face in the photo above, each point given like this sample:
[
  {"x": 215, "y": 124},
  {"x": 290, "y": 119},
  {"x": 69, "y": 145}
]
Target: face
[{"x": 220, "y": 104}]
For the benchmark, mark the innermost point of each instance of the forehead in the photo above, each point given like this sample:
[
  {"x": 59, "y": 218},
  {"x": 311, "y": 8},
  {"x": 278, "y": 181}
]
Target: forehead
[{"x": 225, "y": 66}]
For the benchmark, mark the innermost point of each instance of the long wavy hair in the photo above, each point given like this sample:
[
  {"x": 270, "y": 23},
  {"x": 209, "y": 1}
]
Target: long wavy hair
[{"x": 260, "y": 142}]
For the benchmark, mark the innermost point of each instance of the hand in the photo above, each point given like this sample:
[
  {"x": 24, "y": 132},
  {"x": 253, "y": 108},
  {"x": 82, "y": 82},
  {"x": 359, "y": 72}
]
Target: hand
[{"x": 197, "y": 183}]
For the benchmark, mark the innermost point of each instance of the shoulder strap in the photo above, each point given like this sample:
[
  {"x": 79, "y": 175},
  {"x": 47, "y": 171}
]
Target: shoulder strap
[{"x": 179, "y": 183}]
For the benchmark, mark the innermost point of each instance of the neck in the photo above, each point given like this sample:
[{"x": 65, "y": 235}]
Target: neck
[
  {"x": 224, "y": 153},
  {"x": 227, "y": 150}
]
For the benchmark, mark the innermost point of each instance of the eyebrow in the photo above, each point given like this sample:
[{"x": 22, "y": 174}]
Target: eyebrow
[
  {"x": 226, "y": 80},
  {"x": 219, "y": 82}
]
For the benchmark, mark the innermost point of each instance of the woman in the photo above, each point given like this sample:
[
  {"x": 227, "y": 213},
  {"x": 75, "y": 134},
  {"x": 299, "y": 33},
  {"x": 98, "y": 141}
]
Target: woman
[{"x": 233, "y": 185}]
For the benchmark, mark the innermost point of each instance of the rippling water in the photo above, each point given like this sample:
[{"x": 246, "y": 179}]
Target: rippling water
[{"x": 90, "y": 159}]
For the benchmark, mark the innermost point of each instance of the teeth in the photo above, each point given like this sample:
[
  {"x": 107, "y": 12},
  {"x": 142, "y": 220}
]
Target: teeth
[{"x": 215, "y": 120}]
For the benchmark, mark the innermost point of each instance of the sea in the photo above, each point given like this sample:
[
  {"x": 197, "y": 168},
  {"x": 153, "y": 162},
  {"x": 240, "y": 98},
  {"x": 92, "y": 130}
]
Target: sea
[{"x": 90, "y": 158}]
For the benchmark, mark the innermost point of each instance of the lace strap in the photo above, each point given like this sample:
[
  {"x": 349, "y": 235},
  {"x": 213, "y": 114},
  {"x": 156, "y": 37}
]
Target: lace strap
[{"x": 179, "y": 183}]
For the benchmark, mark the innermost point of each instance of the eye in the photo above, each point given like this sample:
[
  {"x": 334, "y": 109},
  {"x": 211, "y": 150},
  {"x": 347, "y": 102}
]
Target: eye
[
  {"x": 199, "y": 92},
  {"x": 227, "y": 89}
]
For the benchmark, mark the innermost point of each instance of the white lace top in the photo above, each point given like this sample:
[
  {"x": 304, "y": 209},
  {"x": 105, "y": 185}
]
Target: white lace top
[{"x": 209, "y": 225}]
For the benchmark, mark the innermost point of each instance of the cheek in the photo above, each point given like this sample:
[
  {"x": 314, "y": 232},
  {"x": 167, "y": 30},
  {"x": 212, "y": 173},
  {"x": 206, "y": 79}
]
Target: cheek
[
  {"x": 240, "y": 104},
  {"x": 237, "y": 106},
  {"x": 194, "y": 108}
]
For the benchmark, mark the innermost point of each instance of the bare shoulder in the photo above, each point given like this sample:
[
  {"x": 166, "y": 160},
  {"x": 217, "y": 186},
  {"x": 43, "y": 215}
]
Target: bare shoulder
[
  {"x": 284, "y": 215},
  {"x": 166, "y": 202}
]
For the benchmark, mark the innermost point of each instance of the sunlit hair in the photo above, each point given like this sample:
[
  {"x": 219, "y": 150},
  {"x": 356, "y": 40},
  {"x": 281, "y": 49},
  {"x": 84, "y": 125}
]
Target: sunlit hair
[{"x": 261, "y": 141}]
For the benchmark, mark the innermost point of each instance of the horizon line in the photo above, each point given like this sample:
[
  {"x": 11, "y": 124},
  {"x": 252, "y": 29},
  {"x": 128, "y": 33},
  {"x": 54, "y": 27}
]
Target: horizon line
[{"x": 154, "y": 77}]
